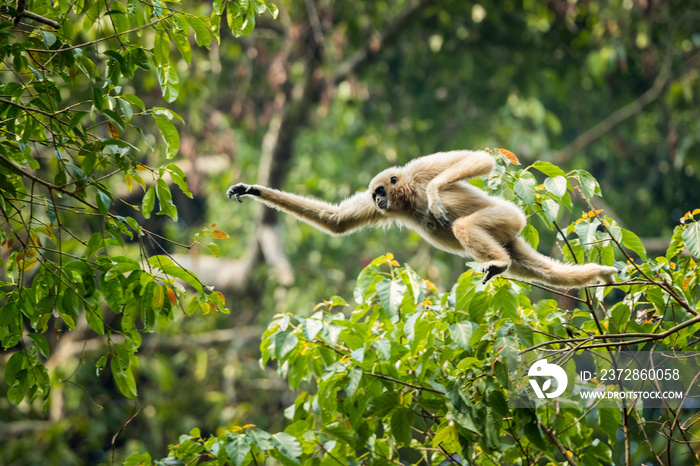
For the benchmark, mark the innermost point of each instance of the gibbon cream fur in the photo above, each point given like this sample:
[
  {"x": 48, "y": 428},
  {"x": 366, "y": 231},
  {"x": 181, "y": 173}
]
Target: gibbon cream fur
[{"x": 430, "y": 195}]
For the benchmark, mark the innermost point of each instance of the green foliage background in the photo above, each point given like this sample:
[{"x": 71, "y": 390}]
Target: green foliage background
[{"x": 121, "y": 129}]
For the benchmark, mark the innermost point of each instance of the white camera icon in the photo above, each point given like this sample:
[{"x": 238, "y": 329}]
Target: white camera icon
[{"x": 541, "y": 368}]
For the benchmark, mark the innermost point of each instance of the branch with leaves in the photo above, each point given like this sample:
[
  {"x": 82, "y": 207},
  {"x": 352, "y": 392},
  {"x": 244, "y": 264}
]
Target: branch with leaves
[{"x": 72, "y": 253}]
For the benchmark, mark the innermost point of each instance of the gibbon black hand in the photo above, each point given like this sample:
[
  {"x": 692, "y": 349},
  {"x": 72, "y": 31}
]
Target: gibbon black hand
[{"x": 241, "y": 189}]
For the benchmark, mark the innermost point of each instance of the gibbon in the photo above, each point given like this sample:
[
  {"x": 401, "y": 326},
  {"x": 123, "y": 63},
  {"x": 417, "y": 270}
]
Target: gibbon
[{"x": 429, "y": 195}]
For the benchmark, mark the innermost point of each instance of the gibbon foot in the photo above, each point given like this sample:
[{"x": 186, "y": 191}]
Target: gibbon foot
[
  {"x": 242, "y": 189},
  {"x": 608, "y": 273},
  {"x": 491, "y": 270}
]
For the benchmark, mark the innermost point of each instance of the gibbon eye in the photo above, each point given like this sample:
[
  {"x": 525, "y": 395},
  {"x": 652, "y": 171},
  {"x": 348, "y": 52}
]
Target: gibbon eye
[
  {"x": 394, "y": 179},
  {"x": 380, "y": 191}
]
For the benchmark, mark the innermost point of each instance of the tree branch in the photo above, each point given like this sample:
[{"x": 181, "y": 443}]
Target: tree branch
[
  {"x": 22, "y": 13},
  {"x": 641, "y": 337},
  {"x": 552, "y": 436},
  {"x": 37, "y": 18}
]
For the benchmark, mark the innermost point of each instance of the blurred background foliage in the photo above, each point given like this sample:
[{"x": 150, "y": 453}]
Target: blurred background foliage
[{"x": 316, "y": 102}]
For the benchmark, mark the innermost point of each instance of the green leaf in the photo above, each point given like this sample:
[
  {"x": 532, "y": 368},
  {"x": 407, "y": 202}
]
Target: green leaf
[
  {"x": 103, "y": 201},
  {"x": 169, "y": 82},
  {"x": 586, "y": 231},
  {"x": 691, "y": 238},
  {"x": 525, "y": 335},
  {"x": 119, "y": 17},
  {"x": 497, "y": 401},
  {"x": 183, "y": 45},
  {"x": 525, "y": 188},
  {"x": 676, "y": 239},
  {"x": 383, "y": 404},
  {"x": 134, "y": 13},
  {"x": 95, "y": 320},
  {"x": 549, "y": 169},
  {"x": 556, "y": 186},
  {"x": 134, "y": 100},
  {"x": 202, "y": 32},
  {"x": 461, "y": 333},
  {"x": 113, "y": 293},
  {"x": 165, "y": 198},
  {"x": 259, "y": 438},
  {"x": 219, "y": 6},
  {"x": 287, "y": 445},
  {"x": 609, "y": 421},
  {"x": 180, "y": 179},
  {"x": 138, "y": 459},
  {"x": 632, "y": 241},
  {"x": 619, "y": 317},
  {"x": 401, "y": 422},
  {"x": 354, "y": 379},
  {"x": 312, "y": 326},
  {"x": 15, "y": 394},
  {"x": 550, "y": 208},
  {"x": 148, "y": 202},
  {"x": 170, "y": 135},
  {"x": 161, "y": 47},
  {"x": 69, "y": 307},
  {"x": 97, "y": 99},
  {"x": 534, "y": 434},
  {"x": 15, "y": 365},
  {"x": 48, "y": 37},
  {"x": 531, "y": 235},
  {"x": 75, "y": 120},
  {"x": 589, "y": 185},
  {"x": 40, "y": 343},
  {"x": 285, "y": 342},
  {"x": 123, "y": 376},
  {"x": 259, "y": 6},
  {"x": 184, "y": 275},
  {"x": 391, "y": 294},
  {"x": 121, "y": 266},
  {"x": 478, "y": 306},
  {"x": 237, "y": 448}
]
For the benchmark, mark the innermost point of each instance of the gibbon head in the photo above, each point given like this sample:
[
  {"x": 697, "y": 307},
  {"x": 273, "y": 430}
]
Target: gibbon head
[{"x": 386, "y": 190}]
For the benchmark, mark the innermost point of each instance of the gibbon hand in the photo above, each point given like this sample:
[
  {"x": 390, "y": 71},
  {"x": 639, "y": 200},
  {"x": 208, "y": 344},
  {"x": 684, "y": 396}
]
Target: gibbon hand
[{"x": 429, "y": 195}]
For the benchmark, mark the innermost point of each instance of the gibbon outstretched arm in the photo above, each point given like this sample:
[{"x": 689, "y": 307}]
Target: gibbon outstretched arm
[{"x": 336, "y": 219}]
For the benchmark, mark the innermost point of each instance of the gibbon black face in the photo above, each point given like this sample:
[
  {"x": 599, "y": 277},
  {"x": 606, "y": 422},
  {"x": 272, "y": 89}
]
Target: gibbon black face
[
  {"x": 380, "y": 198},
  {"x": 382, "y": 188}
]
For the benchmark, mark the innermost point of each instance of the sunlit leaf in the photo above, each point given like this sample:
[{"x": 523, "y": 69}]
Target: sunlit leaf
[
  {"x": 632, "y": 241},
  {"x": 691, "y": 238},
  {"x": 510, "y": 156}
]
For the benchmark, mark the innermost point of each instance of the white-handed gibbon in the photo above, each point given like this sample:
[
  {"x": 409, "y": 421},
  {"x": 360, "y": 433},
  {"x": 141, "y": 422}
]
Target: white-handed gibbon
[{"x": 430, "y": 195}]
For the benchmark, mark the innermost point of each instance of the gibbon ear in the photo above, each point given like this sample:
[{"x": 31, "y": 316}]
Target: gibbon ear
[{"x": 394, "y": 179}]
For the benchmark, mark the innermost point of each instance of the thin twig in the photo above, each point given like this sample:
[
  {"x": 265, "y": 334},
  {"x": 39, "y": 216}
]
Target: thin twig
[
  {"x": 102, "y": 39},
  {"x": 552, "y": 436},
  {"x": 114, "y": 438}
]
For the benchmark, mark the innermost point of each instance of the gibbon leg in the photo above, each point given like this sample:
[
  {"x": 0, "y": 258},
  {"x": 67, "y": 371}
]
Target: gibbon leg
[{"x": 484, "y": 234}]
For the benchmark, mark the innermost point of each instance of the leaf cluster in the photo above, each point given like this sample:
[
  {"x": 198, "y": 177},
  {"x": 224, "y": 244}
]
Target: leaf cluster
[
  {"x": 70, "y": 138},
  {"x": 413, "y": 375}
]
